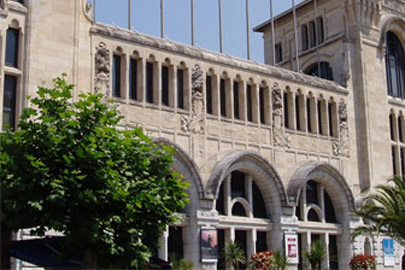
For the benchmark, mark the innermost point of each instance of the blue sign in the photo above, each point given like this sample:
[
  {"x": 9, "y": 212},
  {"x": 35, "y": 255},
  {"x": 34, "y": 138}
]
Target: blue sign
[{"x": 389, "y": 256}]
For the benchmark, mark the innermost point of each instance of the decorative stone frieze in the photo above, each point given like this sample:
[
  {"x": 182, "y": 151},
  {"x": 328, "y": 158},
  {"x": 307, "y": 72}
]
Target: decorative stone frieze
[
  {"x": 196, "y": 122},
  {"x": 280, "y": 138},
  {"x": 395, "y": 5},
  {"x": 341, "y": 146},
  {"x": 102, "y": 68}
]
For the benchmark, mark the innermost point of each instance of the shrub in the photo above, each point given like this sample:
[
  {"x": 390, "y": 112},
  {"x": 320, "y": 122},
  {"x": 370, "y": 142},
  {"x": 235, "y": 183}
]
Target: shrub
[{"x": 362, "y": 262}]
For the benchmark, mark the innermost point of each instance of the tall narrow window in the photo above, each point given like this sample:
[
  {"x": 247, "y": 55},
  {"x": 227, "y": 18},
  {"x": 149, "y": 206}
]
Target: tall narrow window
[
  {"x": 298, "y": 112},
  {"x": 400, "y": 134},
  {"x": 394, "y": 161},
  {"x": 319, "y": 30},
  {"x": 395, "y": 64},
  {"x": 149, "y": 82},
  {"x": 9, "y": 102},
  {"x": 236, "y": 100},
  {"x": 392, "y": 123},
  {"x": 12, "y": 47},
  {"x": 286, "y": 112},
  {"x": 312, "y": 33},
  {"x": 223, "y": 97},
  {"x": 180, "y": 88},
  {"x": 208, "y": 93},
  {"x": 309, "y": 122},
  {"x": 402, "y": 161},
  {"x": 165, "y": 85},
  {"x": 304, "y": 36},
  {"x": 133, "y": 79},
  {"x": 320, "y": 117},
  {"x": 261, "y": 104},
  {"x": 116, "y": 76},
  {"x": 331, "y": 122},
  {"x": 279, "y": 52},
  {"x": 249, "y": 102}
]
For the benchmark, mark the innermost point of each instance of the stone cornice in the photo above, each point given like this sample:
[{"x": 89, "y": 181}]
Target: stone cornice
[{"x": 217, "y": 58}]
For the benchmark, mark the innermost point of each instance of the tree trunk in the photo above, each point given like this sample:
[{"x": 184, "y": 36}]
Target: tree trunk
[
  {"x": 5, "y": 240},
  {"x": 90, "y": 260}
]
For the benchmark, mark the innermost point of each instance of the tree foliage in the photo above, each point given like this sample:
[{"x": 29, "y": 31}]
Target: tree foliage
[
  {"x": 385, "y": 212},
  {"x": 70, "y": 168}
]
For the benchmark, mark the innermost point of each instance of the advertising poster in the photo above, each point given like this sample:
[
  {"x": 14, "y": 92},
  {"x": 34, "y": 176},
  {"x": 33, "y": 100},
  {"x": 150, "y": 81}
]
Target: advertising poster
[
  {"x": 291, "y": 248},
  {"x": 209, "y": 244},
  {"x": 389, "y": 257}
]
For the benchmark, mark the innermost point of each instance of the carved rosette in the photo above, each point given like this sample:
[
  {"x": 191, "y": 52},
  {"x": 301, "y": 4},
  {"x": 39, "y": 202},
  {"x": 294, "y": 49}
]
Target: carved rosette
[
  {"x": 102, "y": 70},
  {"x": 341, "y": 146},
  {"x": 195, "y": 123},
  {"x": 280, "y": 138}
]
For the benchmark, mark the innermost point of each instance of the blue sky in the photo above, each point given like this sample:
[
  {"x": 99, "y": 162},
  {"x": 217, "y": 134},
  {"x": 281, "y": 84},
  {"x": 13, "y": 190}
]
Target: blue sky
[{"x": 146, "y": 19}]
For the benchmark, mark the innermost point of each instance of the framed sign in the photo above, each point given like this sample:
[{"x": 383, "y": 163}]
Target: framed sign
[
  {"x": 291, "y": 248},
  {"x": 209, "y": 245},
  {"x": 389, "y": 257}
]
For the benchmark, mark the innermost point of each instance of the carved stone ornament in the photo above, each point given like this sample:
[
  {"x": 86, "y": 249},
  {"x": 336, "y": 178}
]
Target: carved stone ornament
[
  {"x": 341, "y": 146},
  {"x": 87, "y": 10},
  {"x": 345, "y": 76},
  {"x": 102, "y": 70},
  {"x": 196, "y": 122},
  {"x": 280, "y": 138}
]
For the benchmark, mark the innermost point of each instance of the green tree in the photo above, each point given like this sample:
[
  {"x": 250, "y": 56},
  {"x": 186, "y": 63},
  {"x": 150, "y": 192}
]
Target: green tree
[
  {"x": 315, "y": 255},
  {"x": 234, "y": 254},
  {"x": 70, "y": 168},
  {"x": 385, "y": 212}
]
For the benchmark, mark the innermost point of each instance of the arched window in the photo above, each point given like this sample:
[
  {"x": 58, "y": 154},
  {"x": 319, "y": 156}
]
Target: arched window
[
  {"x": 323, "y": 68},
  {"x": 314, "y": 195},
  {"x": 367, "y": 246},
  {"x": 238, "y": 210},
  {"x": 395, "y": 64},
  {"x": 241, "y": 187}
]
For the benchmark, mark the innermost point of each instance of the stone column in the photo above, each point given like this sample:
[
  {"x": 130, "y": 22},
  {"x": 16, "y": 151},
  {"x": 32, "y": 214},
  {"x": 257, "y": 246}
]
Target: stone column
[
  {"x": 163, "y": 251},
  {"x": 228, "y": 198}
]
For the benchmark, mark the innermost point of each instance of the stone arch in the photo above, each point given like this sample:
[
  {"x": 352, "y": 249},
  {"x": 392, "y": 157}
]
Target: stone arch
[
  {"x": 333, "y": 181},
  {"x": 394, "y": 24},
  {"x": 185, "y": 165},
  {"x": 264, "y": 174}
]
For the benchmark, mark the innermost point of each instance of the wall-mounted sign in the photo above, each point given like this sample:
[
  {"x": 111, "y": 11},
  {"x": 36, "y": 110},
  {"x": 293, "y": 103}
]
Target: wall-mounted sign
[
  {"x": 291, "y": 248},
  {"x": 389, "y": 256},
  {"x": 209, "y": 245}
]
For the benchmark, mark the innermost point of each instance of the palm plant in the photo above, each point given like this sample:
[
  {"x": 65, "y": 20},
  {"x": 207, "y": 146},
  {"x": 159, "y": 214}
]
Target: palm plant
[
  {"x": 181, "y": 264},
  {"x": 234, "y": 254},
  {"x": 280, "y": 261},
  {"x": 386, "y": 213},
  {"x": 315, "y": 255}
]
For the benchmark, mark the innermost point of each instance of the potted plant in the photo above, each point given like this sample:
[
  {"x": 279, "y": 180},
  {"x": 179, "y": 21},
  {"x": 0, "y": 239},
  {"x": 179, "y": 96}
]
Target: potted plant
[
  {"x": 363, "y": 262},
  {"x": 280, "y": 261},
  {"x": 315, "y": 255},
  {"x": 234, "y": 254}
]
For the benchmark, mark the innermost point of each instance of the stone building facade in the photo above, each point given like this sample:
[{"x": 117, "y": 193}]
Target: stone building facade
[{"x": 269, "y": 153}]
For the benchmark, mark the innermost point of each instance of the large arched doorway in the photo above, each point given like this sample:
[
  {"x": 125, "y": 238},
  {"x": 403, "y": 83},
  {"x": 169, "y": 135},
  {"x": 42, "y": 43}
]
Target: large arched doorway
[
  {"x": 181, "y": 240},
  {"x": 323, "y": 205},
  {"x": 248, "y": 198}
]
